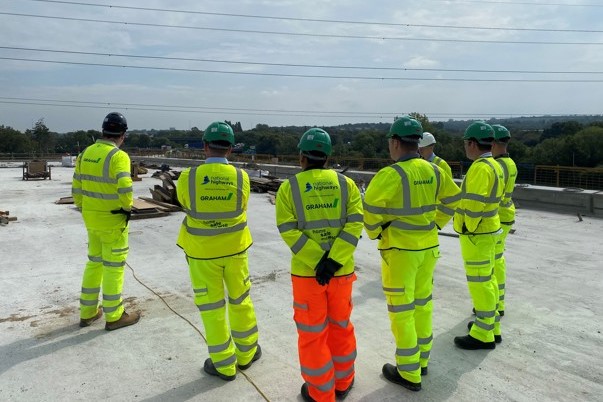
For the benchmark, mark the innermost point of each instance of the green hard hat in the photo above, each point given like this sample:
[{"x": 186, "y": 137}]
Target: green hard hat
[
  {"x": 407, "y": 129},
  {"x": 315, "y": 140},
  {"x": 219, "y": 131},
  {"x": 500, "y": 132},
  {"x": 479, "y": 131}
]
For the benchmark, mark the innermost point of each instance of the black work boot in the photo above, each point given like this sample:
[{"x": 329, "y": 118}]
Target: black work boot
[
  {"x": 305, "y": 393},
  {"x": 423, "y": 370},
  {"x": 390, "y": 372},
  {"x": 497, "y": 338},
  {"x": 210, "y": 369},
  {"x": 342, "y": 394},
  {"x": 256, "y": 356},
  {"x": 470, "y": 343}
]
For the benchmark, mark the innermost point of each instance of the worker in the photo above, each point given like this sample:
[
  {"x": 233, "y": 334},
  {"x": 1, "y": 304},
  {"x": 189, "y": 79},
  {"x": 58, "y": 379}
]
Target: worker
[
  {"x": 426, "y": 146},
  {"x": 506, "y": 211},
  {"x": 400, "y": 210},
  {"x": 215, "y": 238},
  {"x": 102, "y": 190},
  {"x": 477, "y": 222},
  {"x": 319, "y": 216}
]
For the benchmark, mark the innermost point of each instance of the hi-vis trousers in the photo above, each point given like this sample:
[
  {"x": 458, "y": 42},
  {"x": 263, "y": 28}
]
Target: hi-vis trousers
[
  {"x": 234, "y": 340},
  {"x": 500, "y": 265},
  {"x": 407, "y": 278},
  {"x": 107, "y": 253},
  {"x": 478, "y": 257},
  {"x": 326, "y": 341}
]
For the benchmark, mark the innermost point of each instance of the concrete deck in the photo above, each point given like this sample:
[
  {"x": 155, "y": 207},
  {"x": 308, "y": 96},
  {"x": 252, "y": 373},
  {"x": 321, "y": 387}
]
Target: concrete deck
[{"x": 551, "y": 350}]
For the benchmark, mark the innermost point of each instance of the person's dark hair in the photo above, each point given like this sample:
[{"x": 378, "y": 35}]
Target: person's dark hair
[
  {"x": 408, "y": 144},
  {"x": 504, "y": 140},
  {"x": 316, "y": 159}
]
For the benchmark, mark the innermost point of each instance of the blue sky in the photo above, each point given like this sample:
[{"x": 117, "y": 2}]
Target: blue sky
[{"x": 163, "y": 95}]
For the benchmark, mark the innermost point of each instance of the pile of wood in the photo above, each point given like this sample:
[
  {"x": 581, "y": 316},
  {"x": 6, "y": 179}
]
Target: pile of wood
[
  {"x": 144, "y": 208},
  {"x": 5, "y": 218},
  {"x": 166, "y": 192},
  {"x": 265, "y": 184}
]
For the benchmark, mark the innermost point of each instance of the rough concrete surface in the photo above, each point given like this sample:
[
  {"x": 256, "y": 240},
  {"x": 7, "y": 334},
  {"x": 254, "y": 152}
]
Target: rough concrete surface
[{"x": 551, "y": 350}]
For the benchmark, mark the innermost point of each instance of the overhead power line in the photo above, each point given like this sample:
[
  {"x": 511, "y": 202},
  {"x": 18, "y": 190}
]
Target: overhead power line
[
  {"x": 521, "y": 3},
  {"x": 316, "y": 35},
  {"x": 318, "y": 20},
  {"x": 351, "y": 77},
  {"x": 324, "y": 66}
]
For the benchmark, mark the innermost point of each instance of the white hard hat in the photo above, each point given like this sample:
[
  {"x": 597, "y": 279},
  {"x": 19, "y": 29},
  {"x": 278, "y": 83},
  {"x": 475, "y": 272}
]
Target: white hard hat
[{"x": 427, "y": 140}]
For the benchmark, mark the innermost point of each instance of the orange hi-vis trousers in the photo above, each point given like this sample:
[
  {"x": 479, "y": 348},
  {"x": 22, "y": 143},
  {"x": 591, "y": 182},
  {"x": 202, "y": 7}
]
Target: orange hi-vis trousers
[{"x": 326, "y": 340}]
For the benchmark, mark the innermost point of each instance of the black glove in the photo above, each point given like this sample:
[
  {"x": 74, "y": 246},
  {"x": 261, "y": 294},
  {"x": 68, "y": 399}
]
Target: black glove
[
  {"x": 128, "y": 214},
  {"x": 383, "y": 227},
  {"x": 326, "y": 270}
]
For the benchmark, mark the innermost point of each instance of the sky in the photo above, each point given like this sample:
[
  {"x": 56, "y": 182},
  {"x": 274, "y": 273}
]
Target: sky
[{"x": 309, "y": 63}]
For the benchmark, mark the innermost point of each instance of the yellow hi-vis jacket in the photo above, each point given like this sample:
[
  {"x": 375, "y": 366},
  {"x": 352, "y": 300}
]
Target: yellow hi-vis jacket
[
  {"x": 214, "y": 197},
  {"x": 401, "y": 204},
  {"x": 442, "y": 164},
  {"x": 319, "y": 210},
  {"x": 506, "y": 211},
  {"x": 102, "y": 183},
  {"x": 482, "y": 190}
]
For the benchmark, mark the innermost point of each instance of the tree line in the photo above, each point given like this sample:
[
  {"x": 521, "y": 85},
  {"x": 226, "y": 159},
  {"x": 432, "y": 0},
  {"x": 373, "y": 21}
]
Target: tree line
[{"x": 565, "y": 143}]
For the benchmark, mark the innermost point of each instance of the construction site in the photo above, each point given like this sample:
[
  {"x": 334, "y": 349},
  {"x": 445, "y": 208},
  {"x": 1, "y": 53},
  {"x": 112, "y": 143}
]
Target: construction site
[{"x": 551, "y": 350}]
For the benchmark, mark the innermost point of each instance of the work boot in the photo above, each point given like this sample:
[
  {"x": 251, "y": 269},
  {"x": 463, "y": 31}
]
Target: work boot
[
  {"x": 256, "y": 356},
  {"x": 470, "y": 343},
  {"x": 305, "y": 393},
  {"x": 124, "y": 321},
  {"x": 345, "y": 392},
  {"x": 501, "y": 313},
  {"x": 86, "y": 322},
  {"x": 390, "y": 372},
  {"x": 497, "y": 338},
  {"x": 423, "y": 370},
  {"x": 210, "y": 369}
]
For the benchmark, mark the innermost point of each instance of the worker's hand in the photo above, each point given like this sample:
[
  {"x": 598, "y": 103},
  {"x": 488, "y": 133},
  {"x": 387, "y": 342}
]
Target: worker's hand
[
  {"x": 326, "y": 271},
  {"x": 122, "y": 211}
]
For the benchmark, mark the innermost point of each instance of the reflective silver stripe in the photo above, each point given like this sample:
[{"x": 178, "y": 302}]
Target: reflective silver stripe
[
  {"x": 400, "y": 308},
  {"x": 107, "y": 164},
  {"x": 497, "y": 318},
  {"x": 84, "y": 302},
  {"x": 481, "y": 214},
  {"x": 325, "y": 246},
  {"x": 425, "y": 355},
  {"x": 124, "y": 190},
  {"x": 121, "y": 175},
  {"x": 111, "y": 297},
  {"x": 120, "y": 250},
  {"x": 496, "y": 183},
  {"x": 393, "y": 290},
  {"x": 479, "y": 278},
  {"x": 480, "y": 198},
  {"x": 509, "y": 195},
  {"x": 405, "y": 186},
  {"x": 96, "y": 179},
  {"x": 321, "y": 223},
  {"x": 214, "y": 231},
  {"x": 485, "y": 262},
  {"x": 193, "y": 211},
  {"x": 425, "y": 341},
  {"x": 299, "y": 244},
  {"x": 342, "y": 324},
  {"x": 244, "y": 334},
  {"x": 487, "y": 327},
  {"x": 311, "y": 328},
  {"x": 505, "y": 170},
  {"x": 226, "y": 362},
  {"x": 239, "y": 299},
  {"x": 200, "y": 290},
  {"x": 347, "y": 358},
  {"x": 297, "y": 202},
  {"x": 287, "y": 226},
  {"x": 410, "y": 226},
  {"x": 399, "y": 211},
  {"x": 348, "y": 238},
  {"x": 354, "y": 218},
  {"x": 90, "y": 291},
  {"x": 446, "y": 210},
  {"x": 76, "y": 190},
  {"x": 211, "y": 306},
  {"x": 423, "y": 302},
  {"x": 501, "y": 286},
  {"x": 319, "y": 371},
  {"x": 372, "y": 227},
  {"x": 246, "y": 348},
  {"x": 502, "y": 297},
  {"x": 498, "y": 256},
  {"x": 437, "y": 175},
  {"x": 343, "y": 374},
  {"x": 100, "y": 196},
  {"x": 485, "y": 314},
  {"x": 112, "y": 309},
  {"x": 326, "y": 387},
  {"x": 300, "y": 306},
  {"x": 95, "y": 259},
  {"x": 506, "y": 204},
  {"x": 407, "y": 351},
  {"x": 114, "y": 264},
  {"x": 409, "y": 367},
  {"x": 451, "y": 199},
  {"x": 219, "y": 348},
  {"x": 343, "y": 189}
]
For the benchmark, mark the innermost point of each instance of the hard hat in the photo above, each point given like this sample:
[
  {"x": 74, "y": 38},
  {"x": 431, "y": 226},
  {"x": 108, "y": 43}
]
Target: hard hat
[
  {"x": 315, "y": 140},
  {"x": 407, "y": 129},
  {"x": 219, "y": 131},
  {"x": 500, "y": 132},
  {"x": 427, "y": 140},
  {"x": 480, "y": 131},
  {"x": 115, "y": 124}
]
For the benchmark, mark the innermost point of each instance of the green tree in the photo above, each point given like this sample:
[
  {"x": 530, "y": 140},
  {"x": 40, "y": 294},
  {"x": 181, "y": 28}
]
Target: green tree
[{"x": 13, "y": 141}]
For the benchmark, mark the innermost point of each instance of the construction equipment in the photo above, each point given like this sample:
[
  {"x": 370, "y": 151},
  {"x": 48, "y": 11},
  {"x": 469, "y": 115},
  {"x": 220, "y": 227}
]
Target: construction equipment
[{"x": 36, "y": 169}]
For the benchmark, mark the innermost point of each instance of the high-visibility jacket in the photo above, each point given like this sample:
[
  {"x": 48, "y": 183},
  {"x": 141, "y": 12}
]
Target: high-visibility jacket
[
  {"x": 400, "y": 204},
  {"x": 506, "y": 211},
  {"x": 102, "y": 183},
  {"x": 482, "y": 189},
  {"x": 441, "y": 163},
  {"x": 319, "y": 210},
  {"x": 214, "y": 197}
]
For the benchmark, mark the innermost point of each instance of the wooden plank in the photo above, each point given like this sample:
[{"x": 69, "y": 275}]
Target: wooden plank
[
  {"x": 169, "y": 207},
  {"x": 143, "y": 206},
  {"x": 65, "y": 200},
  {"x": 136, "y": 216}
]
